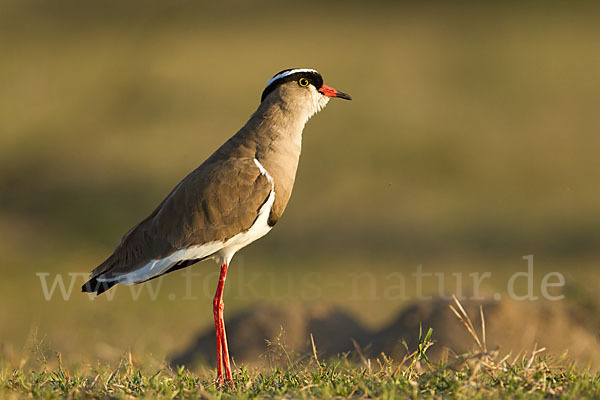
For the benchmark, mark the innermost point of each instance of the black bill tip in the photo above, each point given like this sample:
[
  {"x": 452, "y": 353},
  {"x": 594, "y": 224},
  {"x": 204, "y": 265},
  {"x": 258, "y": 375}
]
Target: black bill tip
[{"x": 343, "y": 95}]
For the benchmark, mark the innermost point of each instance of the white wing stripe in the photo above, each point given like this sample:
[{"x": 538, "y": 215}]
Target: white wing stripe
[{"x": 159, "y": 266}]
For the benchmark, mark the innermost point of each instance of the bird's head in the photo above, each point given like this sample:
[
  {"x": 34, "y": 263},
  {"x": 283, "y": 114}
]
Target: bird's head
[{"x": 301, "y": 88}]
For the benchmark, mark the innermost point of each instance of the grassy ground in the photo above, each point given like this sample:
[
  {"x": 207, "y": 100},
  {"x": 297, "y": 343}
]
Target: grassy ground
[
  {"x": 341, "y": 379},
  {"x": 480, "y": 374}
]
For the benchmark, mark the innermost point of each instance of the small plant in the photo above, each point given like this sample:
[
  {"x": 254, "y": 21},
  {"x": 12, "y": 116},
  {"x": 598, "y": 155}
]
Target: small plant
[{"x": 419, "y": 354}]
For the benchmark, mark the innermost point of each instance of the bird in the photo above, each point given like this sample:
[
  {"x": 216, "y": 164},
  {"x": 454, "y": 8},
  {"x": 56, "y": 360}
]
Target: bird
[{"x": 232, "y": 199}]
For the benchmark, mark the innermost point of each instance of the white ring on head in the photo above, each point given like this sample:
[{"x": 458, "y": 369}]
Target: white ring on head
[{"x": 288, "y": 73}]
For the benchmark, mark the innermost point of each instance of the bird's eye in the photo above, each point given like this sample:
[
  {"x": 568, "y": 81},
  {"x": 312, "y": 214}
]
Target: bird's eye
[{"x": 303, "y": 82}]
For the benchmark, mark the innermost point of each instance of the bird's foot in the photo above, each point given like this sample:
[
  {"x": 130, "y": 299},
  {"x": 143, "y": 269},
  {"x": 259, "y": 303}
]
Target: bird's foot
[{"x": 221, "y": 383}]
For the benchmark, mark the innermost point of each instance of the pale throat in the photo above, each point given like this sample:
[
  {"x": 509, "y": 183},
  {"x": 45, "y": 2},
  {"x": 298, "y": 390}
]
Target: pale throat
[{"x": 317, "y": 103}]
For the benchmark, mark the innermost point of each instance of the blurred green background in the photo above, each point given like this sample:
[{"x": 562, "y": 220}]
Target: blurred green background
[{"x": 472, "y": 141}]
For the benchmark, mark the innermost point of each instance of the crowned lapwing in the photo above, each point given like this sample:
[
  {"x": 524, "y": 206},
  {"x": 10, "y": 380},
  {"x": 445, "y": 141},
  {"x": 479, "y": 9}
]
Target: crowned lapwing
[{"x": 233, "y": 198}]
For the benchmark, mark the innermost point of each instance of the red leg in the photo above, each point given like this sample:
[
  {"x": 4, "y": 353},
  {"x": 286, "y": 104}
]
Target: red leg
[
  {"x": 218, "y": 334},
  {"x": 222, "y": 351},
  {"x": 226, "y": 365}
]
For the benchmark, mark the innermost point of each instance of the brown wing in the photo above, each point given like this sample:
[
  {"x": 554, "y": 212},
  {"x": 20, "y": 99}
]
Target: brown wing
[{"x": 213, "y": 203}]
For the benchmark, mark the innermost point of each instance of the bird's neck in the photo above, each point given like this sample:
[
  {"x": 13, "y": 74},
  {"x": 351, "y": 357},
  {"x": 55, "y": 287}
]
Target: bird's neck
[
  {"x": 273, "y": 136},
  {"x": 275, "y": 133}
]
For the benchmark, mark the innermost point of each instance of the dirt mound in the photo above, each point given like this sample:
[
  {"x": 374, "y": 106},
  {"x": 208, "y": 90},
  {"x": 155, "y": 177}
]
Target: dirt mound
[
  {"x": 510, "y": 326},
  {"x": 288, "y": 327}
]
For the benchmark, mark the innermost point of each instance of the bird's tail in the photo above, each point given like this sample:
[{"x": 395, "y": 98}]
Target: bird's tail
[{"x": 98, "y": 287}]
